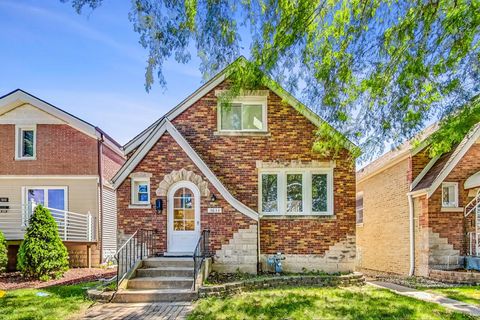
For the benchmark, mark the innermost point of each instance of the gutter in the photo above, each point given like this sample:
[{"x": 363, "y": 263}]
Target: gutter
[{"x": 412, "y": 235}]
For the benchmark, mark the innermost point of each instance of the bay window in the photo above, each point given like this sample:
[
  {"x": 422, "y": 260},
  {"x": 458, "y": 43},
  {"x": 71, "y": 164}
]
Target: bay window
[{"x": 294, "y": 192}]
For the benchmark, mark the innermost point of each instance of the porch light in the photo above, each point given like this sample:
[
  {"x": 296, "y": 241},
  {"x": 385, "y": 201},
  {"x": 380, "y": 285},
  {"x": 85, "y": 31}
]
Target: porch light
[{"x": 213, "y": 198}]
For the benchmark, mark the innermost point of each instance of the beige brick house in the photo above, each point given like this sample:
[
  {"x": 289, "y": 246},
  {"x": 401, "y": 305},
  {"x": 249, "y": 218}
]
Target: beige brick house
[
  {"x": 249, "y": 175},
  {"x": 416, "y": 214},
  {"x": 51, "y": 157}
]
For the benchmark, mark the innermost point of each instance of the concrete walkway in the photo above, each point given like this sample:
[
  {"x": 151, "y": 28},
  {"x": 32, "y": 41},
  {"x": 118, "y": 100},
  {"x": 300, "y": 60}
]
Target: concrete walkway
[
  {"x": 429, "y": 297},
  {"x": 127, "y": 311}
]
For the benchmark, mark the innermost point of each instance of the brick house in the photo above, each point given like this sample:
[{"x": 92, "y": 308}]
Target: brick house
[
  {"x": 416, "y": 214},
  {"x": 245, "y": 171},
  {"x": 51, "y": 157}
]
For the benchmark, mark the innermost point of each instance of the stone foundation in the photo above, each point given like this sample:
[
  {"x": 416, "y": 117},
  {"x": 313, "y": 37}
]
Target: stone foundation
[
  {"x": 339, "y": 258},
  {"x": 462, "y": 277},
  {"x": 240, "y": 254}
]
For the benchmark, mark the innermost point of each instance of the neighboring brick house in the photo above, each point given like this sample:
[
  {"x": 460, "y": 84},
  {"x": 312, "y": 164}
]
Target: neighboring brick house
[
  {"x": 246, "y": 172},
  {"x": 51, "y": 157},
  {"x": 416, "y": 214}
]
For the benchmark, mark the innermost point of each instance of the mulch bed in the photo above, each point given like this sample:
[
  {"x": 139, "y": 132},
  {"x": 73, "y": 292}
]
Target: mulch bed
[{"x": 14, "y": 280}]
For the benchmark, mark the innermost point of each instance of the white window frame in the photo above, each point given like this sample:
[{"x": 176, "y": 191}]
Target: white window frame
[
  {"x": 244, "y": 100},
  {"x": 358, "y": 196},
  {"x": 455, "y": 188},
  {"x": 134, "y": 193},
  {"x": 19, "y": 129},
  {"x": 46, "y": 188},
  {"x": 306, "y": 192}
]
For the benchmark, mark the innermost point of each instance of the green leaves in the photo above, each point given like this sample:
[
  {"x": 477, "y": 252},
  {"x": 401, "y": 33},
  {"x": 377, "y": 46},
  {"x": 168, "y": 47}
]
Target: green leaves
[
  {"x": 42, "y": 254},
  {"x": 385, "y": 68},
  {"x": 3, "y": 253}
]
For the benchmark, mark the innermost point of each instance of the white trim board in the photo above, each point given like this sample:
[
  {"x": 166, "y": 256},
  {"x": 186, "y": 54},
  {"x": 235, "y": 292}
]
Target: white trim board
[{"x": 177, "y": 136}]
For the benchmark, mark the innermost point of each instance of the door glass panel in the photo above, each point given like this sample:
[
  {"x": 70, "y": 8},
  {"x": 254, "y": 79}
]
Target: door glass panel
[
  {"x": 56, "y": 199},
  {"x": 183, "y": 210},
  {"x": 36, "y": 195}
]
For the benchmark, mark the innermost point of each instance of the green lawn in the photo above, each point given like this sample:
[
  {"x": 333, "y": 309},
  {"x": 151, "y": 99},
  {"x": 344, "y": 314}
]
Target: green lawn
[
  {"x": 466, "y": 294},
  {"x": 63, "y": 302},
  {"x": 320, "y": 303}
]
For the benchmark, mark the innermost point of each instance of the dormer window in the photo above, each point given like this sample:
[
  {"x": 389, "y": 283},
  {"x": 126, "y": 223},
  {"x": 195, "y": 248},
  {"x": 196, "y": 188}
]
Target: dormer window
[
  {"x": 243, "y": 114},
  {"x": 25, "y": 143}
]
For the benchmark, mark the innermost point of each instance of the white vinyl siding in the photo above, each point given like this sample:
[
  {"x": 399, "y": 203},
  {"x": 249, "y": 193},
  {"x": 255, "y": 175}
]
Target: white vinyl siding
[{"x": 109, "y": 223}]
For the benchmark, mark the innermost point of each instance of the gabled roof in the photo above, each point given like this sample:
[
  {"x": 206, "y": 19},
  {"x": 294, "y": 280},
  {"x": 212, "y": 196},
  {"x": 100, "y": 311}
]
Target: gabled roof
[
  {"x": 166, "y": 126},
  {"x": 18, "y": 97},
  {"x": 442, "y": 166},
  {"x": 396, "y": 155},
  {"x": 207, "y": 87}
]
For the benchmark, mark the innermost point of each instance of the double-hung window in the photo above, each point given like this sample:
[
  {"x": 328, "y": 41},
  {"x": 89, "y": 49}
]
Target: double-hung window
[
  {"x": 359, "y": 207},
  {"x": 296, "y": 192},
  {"x": 450, "y": 194},
  {"x": 25, "y": 143},
  {"x": 243, "y": 114},
  {"x": 141, "y": 191}
]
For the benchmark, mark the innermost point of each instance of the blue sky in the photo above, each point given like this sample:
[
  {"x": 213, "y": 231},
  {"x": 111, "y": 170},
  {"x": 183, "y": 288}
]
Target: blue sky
[{"x": 90, "y": 65}]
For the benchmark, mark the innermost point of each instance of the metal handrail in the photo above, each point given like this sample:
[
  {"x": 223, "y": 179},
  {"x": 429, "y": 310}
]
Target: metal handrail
[
  {"x": 138, "y": 246},
  {"x": 200, "y": 253}
]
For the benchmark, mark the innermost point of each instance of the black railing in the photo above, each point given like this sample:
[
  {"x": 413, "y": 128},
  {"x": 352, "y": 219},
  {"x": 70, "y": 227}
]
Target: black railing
[
  {"x": 139, "y": 246},
  {"x": 200, "y": 253}
]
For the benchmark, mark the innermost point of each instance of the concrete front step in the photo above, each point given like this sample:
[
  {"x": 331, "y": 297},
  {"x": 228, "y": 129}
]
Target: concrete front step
[
  {"x": 154, "y": 295},
  {"x": 160, "y": 283},
  {"x": 165, "y": 272},
  {"x": 160, "y": 262}
]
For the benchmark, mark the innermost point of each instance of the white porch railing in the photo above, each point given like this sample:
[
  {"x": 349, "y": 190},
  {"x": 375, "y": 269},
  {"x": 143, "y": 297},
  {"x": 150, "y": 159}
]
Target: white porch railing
[{"x": 72, "y": 226}]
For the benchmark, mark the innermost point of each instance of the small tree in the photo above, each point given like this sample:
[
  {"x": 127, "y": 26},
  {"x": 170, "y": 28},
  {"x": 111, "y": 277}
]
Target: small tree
[
  {"x": 42, "y": 254},
  {"x": 3, "y": 253}
]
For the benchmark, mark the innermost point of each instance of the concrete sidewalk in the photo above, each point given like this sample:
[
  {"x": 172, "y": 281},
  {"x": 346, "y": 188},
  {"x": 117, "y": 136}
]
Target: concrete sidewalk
[{"x": 429, "y": 297}]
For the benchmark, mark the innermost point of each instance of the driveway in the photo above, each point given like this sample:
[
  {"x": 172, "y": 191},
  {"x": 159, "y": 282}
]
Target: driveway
[{"x": 157, "y": 311}]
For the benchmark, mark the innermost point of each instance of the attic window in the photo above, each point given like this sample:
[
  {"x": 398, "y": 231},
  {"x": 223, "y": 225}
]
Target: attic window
[
  {"x": 25, "y": 143},
  {"x": 449, "y": 194},
  {"x": 243, "y": 114}
]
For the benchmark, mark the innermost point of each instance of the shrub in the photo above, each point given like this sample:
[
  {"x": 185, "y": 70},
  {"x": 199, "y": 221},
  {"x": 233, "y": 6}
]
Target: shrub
[
  {"x": 3, "y": 253},
  {"x": 42, "y": 254}
]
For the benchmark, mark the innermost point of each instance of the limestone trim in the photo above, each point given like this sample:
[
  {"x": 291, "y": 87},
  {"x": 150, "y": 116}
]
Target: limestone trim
[
  {"x": 294, "y": 164},
  {"x": 182, "y": 175}
]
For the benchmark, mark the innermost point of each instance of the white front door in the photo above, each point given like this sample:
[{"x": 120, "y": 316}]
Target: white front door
[{"x": 183, "y": 220}]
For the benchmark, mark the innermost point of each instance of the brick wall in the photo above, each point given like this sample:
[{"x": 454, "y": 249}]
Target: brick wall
[
  {"x": 61, "y": 150},
  {"x": 453, "y": 225},
  {"x": 233, "y": 159},
  {"x": 383, "y": 239},
  {"x": 111, "y": 162},
  {"x": 418, "y": 162},
  {"x": 165, "y": 157},
  {"x": 290, "y": 138}
]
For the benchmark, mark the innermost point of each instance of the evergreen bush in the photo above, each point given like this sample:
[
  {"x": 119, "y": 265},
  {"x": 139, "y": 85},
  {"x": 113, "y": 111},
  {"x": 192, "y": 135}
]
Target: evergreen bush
[
  {"x": 42, "y": 254},
  {"x": 3, "y": 253}
]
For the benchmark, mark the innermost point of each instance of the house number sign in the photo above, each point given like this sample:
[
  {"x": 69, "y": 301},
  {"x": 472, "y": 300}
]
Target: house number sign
[{"x": 214, "y": 210}]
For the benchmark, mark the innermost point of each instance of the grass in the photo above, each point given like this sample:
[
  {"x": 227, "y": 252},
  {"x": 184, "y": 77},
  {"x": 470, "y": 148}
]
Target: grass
[
  {"x": 466, "y": 294},
  {"x": 320, "y": 303},
  {"x": 63, "y": 302}
]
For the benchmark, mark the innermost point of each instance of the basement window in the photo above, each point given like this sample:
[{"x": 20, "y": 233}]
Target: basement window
[{"x": 450, "y": 194}]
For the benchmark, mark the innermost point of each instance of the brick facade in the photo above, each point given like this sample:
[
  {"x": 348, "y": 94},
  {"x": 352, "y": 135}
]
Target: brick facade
[
  {"x": 233, "y": 159},
  {"x": 61, "y": 150},
  {"x": 440, "y": 233}
]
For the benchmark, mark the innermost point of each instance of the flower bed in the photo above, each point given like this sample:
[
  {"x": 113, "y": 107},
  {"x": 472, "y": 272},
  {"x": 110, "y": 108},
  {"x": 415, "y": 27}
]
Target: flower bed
[
  {"x": 278, "y": 281},
  {"x": 14, "y": 280}
]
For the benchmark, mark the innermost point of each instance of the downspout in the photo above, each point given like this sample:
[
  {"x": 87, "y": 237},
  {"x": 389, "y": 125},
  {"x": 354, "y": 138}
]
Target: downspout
[
  {"x": 412, "y": 235},
  {"x": 100, "y": 213},
  {"x": 259, "y": 266}
]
